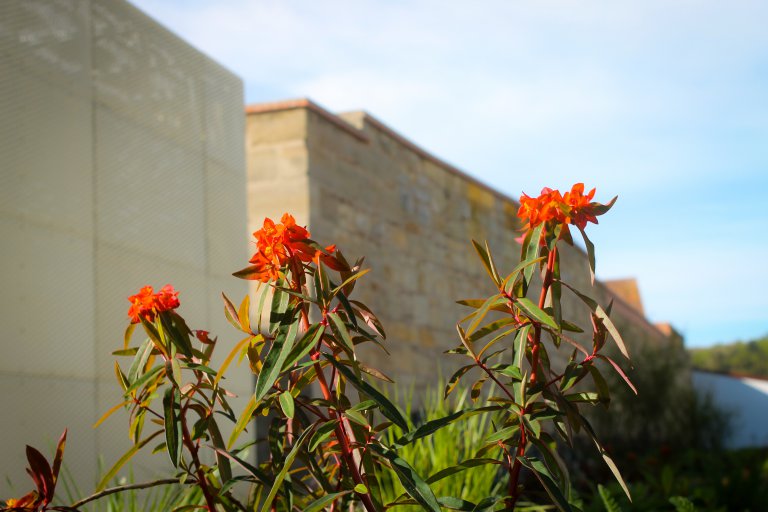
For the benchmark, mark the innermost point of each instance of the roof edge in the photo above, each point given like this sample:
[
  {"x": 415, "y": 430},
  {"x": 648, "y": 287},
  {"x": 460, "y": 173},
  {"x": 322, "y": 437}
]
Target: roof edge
[{"x": 277, "y": 106}]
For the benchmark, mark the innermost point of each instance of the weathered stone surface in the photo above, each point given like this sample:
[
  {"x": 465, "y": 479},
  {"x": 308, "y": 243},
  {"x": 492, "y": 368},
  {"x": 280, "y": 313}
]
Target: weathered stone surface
[{"x": 376, "y": 194}]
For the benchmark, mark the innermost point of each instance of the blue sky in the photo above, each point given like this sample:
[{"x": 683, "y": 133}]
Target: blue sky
[{"x": 664, "y": 104}]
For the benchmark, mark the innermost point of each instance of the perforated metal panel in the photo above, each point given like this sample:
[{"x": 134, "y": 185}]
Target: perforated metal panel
[{"x": 121, "y": 164}]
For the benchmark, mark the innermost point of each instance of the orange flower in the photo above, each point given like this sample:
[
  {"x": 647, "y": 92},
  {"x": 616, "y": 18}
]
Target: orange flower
[
  {"x": 550, "y": 206},
  {"x": 544, "y": 208},
  {"x": 278, "y": 244},
  {"x": 581, "y": 206},
  {"x": 29, "y": 502},
  {"x": 146, "y": 304}
]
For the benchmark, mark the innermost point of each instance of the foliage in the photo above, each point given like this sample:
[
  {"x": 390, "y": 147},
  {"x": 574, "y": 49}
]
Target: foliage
[
  {"x": 536, "y": 398},
  {"x": 749, "y": 358},
  {"x": 693, "y": 480},
  {"x": 334, "y": 440},
  {"x": 45, "y": 476},
  {"x": 447, "y": 447}
]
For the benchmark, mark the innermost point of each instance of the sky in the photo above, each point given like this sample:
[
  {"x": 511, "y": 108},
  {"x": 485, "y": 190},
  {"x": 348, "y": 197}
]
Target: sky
[{"x": 664, "y": 104}]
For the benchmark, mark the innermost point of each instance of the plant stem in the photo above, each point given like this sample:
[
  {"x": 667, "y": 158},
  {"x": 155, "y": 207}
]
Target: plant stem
[
  {"x": 514, "y": 472},
  {"x": 121, "y": 488},
  {"x": 201, "y": 480},
  {"x": 342, "y": 438}
]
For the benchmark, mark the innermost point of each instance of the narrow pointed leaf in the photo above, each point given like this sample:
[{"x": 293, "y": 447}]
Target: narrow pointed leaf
[
  {"x": 287, "y": 463},
  {"x": 286, "y": 404},
  {"x": 416, "y": 487},
  {"x": 109, "y": 475},
  {"x": 388, "y": 409},
  {"x": 601, "y": 314},
  {"x": 541, "y": 472},
  {"x": 273, "y": 363},
  {"x": 171, "y": 408},
  {"x": 536, "y": 313}
]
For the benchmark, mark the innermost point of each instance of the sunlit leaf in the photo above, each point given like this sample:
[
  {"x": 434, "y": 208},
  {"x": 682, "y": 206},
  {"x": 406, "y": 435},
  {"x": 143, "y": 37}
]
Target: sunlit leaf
[
  {"x": 536, "y": 313},
  {"x": 284, "y": 470},
  {"x": 109, "y": 475}
]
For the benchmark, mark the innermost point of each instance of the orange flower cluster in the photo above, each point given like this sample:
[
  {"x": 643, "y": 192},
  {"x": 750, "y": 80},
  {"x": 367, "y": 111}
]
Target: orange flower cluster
[
  {"x": 30, "y": 502},
  {"x": 278, "y": 244},
  {"x": 147, "y": 304},
  {"x": 573, "y": 207}
]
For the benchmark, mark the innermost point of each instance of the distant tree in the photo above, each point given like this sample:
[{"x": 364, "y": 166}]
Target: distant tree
[{"x": 750, "y": 357}]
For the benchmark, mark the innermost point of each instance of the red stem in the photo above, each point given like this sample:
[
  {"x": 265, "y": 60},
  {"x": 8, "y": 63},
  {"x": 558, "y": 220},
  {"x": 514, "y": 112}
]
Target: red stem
[{"x": 514, "y": 472}]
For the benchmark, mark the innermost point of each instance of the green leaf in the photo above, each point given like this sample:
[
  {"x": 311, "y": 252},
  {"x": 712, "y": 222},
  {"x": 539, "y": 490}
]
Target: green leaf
[
  {"x": 536, "y": 313},
  {"x": 322, "y": 433},
  {"x": 341, "y": 333},
  {"x": 171, "y": 409},
  {"x": 541, "y": 472},
  {"x": 521, "y": 343},
  {"x": 128, "y": 333},
  {"x": 348, "y": 280},
  {"x": 320, "y": 503},
  {"x": 454, "y": 380},
  {"x": 286, "y": 403},
  {"x": 485, "y": 256},
  {"x": 603, "y": 390},
  {"x": 479, "y": 315},
  {"x": 388, "y": 409},
  {"x": 140, "y": 361},
  {"x": 279, "y": 308},
  {"x": 600, "y": 209},
  {"x": 682, "y": 504},
  {"x": 244, "y": 313},
  {"x": 491, "y": 327},
  {"x": 502, "y": 435},
  {"x": 230, "y": 312},
  {"x": 225, "y": 469},
  {"x": 284, "y": 470},
  {"x": 302, "y": 347},
  {"x": 356, "y": 417},
  {"x": 433, "y": 426},
  {"x": 515, "y": 271},
  {"x": 361, "y": 489},
  {"x": 236, "y": 350},
  {"x": 273, "y": 363},
  {"x": 590, "y": 254},
  {"x": 109, "y": 475},
  {"x": 601, "y": 314},
  {"x": 508, "y": 370},
  {"x": 531, "y": 250},
  {"x": 243, "y": 420},
  {"x": 414, "y": 485},
  {"x": 151, "y": 374},
  {"x": 462, "y": 466},
  {"x": 609, "y": 502}
]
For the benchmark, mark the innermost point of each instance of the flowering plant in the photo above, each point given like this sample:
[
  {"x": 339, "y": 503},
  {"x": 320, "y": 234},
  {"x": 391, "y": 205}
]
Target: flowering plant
[
  {"x": 327, "y": 450},
  {"x": 535, "y": 398}
]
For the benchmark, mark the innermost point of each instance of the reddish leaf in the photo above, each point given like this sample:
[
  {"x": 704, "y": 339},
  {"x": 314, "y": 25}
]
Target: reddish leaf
[
  {"x": 59, "y": 456},
  {"x": 41, "y": 473},
  {"x": 619, "y": 371}
]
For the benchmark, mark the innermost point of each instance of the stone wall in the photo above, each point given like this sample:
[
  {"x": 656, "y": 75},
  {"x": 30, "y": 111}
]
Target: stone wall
[
  {"x": 121, "y": 149},
  {"x": 360, "y": 185}
]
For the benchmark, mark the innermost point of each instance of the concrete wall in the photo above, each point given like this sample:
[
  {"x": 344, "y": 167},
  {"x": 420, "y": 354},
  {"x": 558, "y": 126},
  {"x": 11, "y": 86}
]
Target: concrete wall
[
  {"x": 121, "y": 164},
  {"x": 358, "y": 184}
]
